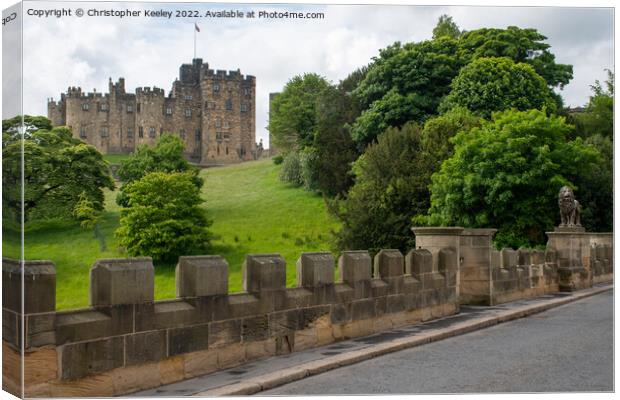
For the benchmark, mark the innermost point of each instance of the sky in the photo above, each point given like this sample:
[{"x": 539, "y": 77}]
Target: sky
[{"x": 87, "y": 51}]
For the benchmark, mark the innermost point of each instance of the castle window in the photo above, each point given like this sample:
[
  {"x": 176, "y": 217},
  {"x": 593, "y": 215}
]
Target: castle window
[
  {"x": 85, "y": 106},
  {"x": 188, "y": 97},
  {"x": 226, "y": 150},
  {"x": 226, "y": 125},
  {"x": 229, "y": 86},
  {"x": 104, "y": 132},
  {"x": 229, "y": 104},
  {"x": 104, "y": 107},
  {"x": 129, "y": 132},
  {"x": 197, "y": 135},
  {"x": 216, "y": 87},
  {"x": 152, "y": 132},
  {"x": 218, "y": 136},
  {"x": 129, "y": 108},
  {"x": 188, "y": 112},
  {"x": 244, "y": 107},
  {"x": 246, "y": 91},
  {"x": 138, "y": 107},
  {"x": 83, "y": 134},
  {"x": 168, "y": 110},
  {"x": 182, "y": 133},
  {"x": 218, "y": 149},
  {"x": 141, "y": 132}
]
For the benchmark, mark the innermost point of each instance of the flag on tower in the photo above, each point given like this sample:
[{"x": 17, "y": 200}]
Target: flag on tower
[{"x": 196, "y": 26}]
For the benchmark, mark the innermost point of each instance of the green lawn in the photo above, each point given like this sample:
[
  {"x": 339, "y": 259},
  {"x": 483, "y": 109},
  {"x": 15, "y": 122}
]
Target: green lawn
[
  {"x": 115, "y": 158},
  {"x": 252, "y": 212}
]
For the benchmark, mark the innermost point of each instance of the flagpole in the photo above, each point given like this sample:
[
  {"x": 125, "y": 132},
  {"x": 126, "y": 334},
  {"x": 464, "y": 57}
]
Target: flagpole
[{"x": 194, "y": 41}]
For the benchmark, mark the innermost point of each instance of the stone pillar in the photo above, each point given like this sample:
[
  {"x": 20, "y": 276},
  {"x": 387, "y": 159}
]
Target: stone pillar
[
  {"x": 315, "y": 269},
  {"x": 355, "y": 269},
  {"x": 198, "y": 276},
  {"x": 573, "y": 254},
  {"x": 264, "y": 272},
  {"x": 475, "y": 268},
  {"x": 436, "y": 238}
]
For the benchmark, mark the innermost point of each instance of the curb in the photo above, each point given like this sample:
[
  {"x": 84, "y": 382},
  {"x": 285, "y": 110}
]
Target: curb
[{"x": 279, "y": 378}]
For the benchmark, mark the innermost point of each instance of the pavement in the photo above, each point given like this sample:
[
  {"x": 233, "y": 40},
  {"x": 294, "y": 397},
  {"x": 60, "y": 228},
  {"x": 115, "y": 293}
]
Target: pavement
[{"x": 269, "y": 373}]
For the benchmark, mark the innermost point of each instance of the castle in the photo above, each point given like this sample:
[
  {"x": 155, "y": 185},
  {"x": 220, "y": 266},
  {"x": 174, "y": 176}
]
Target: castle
[{"x": 213, "y": 112}]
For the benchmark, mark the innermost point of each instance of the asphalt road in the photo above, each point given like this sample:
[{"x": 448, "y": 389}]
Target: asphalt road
[{"x": 569, "y": 348}]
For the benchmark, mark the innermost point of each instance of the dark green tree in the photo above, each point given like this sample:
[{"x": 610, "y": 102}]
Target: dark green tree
[
  {"x": 164, "y": 218},
  {"x": 487, "y": 85},
  {"x": 57, "y": 169},
  {"x": 391, "y": 186},
  {"x": 446, "y": 27},
  {"x": 293, "y": 117},
  {"x": 506, "y": 174}
]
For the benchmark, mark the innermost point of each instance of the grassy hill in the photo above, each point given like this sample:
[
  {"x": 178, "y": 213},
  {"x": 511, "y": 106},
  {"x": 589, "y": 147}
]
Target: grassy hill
[{"x": 252, "y": 212}]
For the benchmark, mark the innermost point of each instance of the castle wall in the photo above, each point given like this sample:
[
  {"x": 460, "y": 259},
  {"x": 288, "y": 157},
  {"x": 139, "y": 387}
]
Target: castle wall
[{"x": 217, "y": 126}]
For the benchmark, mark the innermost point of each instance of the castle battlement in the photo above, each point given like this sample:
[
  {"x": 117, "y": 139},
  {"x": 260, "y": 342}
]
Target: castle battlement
[{"x": 140, "y": 116}]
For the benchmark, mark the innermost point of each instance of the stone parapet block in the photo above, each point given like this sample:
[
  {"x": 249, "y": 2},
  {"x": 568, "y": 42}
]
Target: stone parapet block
[
  {"x": 418, "y": 262},
  {"x": 39, "y": 286},
  {"x": 315, "y": 269},
  {"x": 355, "y": 267},
  {"x": 121, "y": 281},
  {"x": 389, "y": 264},
  {"x": 263, "y": 272},
  {"x": 198, "y": 276}
]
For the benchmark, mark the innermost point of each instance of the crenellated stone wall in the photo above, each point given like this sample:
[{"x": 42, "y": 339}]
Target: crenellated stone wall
[{"x": 126, "y": 341}]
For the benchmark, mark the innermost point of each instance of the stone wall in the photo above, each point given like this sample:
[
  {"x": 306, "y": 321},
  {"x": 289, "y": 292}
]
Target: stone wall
[
  {"x": 126, "y": 342},
  {"x": 571, "y": 261}
]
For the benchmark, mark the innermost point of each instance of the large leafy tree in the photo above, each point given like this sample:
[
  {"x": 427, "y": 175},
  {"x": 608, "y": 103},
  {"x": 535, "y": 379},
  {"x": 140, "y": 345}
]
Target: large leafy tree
[
  {"x": 407, "y": 82},
  {"x": 495, "y": 84},
  {"x": 507, "y": 173},
  {"x": 391, "y": 186},
  {"x": 57, "y": 169},
  {"x": 293, "y": 117},
  {"x": 598, "y": 117},
  {"x": 165, "y": 156},
  {"x": 164, "y": 218}
]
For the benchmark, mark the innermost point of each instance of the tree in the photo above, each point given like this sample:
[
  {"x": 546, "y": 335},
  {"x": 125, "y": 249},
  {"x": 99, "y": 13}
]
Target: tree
[
  {"x": 390, "y": 188},
  {"x": 446, "y": 27},
  {"x": 438, "y": 132},
  {"x": 520, "y": 45},
  {"x": 507, "y": 174},
  {"x": 291, "y": 169},
  {"x": 89, "y": 218},
  {"x": 598, "y": 117},
  {"x": 495, "y": 84},
  {"x": 164, "y": 218},
  {"x": 408, "y": 82},
  {"x": 165, "y": 156},
  {"x": 57, "y": 169},
  {"x": 292, "y": 118}
]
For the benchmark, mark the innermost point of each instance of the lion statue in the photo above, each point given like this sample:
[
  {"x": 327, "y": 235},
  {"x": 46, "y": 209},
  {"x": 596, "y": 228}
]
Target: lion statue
[{"x": 570, "y": 209}]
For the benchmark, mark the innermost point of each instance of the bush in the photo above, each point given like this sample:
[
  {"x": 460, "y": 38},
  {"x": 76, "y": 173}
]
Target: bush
[
  {"x": 291, "y": 170},
  {"x": 308, "y": 160},
  {"x": 164, "y": 219},
  {"x": 507, "y": 174},
  {"x": 277, "y": 160},
  {"x": 165, "y": 156},
  {"x": 391, "y": 180}
]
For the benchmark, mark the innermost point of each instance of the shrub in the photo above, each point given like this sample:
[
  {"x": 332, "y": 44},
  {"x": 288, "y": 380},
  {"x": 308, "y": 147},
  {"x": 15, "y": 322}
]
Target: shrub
[
  {"x": 164, "y": 218},
  {"x": 277, "y": 160},
  {"x": 291, "y": 169}
]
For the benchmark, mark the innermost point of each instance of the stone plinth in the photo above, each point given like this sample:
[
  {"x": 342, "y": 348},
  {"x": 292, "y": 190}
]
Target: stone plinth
[{"x": 572, "y": 245}]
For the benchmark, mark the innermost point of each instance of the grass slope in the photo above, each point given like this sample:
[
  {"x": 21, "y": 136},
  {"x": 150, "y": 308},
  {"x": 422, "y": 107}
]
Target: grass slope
[{"x": 252, "y": 212}]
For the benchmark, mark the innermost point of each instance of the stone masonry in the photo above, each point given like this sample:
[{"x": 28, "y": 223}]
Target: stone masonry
[{"x": 213, "y": 112}]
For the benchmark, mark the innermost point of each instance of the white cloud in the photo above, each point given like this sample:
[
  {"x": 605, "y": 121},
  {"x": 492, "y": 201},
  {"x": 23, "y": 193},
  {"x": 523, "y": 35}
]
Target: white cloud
[{"x": 147, "y": 52}]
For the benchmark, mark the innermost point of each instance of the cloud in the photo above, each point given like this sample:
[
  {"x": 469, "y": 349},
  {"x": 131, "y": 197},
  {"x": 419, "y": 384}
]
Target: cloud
[{"x": 62, "y": 52}]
